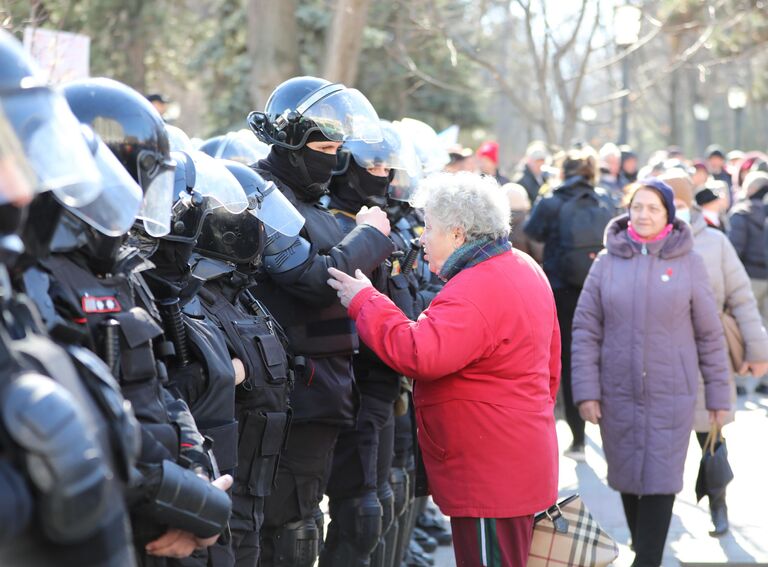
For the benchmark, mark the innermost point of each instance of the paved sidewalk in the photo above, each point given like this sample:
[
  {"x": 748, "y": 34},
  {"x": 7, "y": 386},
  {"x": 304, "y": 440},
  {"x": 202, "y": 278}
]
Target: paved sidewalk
[{"x": 689, "y": 542}]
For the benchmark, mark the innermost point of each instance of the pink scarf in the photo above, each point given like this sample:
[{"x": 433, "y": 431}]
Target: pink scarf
[{"x": 637, "y": 238}]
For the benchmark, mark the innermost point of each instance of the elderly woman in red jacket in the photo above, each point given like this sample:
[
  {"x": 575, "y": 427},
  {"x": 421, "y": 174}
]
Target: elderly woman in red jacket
[{"x": 485, "y": 358}]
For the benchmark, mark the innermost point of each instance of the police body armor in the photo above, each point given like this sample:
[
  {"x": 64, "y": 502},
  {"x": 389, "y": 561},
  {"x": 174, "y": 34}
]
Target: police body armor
[
  {"x": 262, "y": 399},
  {"x": 73, "y": 439},
  {"x": 103, "y": 311}
]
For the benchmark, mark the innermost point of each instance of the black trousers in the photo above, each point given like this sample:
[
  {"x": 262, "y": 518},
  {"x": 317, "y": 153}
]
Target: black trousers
[
  {"x": 565, "y": 301},
  {"x": 648, "y": 518}
]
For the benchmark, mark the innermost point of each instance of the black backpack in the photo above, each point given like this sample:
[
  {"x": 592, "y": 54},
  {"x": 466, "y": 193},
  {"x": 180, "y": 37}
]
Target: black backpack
[{"x": 581, "y": 220}]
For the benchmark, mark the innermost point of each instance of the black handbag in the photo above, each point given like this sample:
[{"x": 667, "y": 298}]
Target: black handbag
[{"x": 714, "y": 470}]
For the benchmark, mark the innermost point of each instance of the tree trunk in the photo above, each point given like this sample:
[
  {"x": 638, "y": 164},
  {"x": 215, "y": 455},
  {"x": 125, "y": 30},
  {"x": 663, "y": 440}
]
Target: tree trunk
[
  {"x": 345, "y": 41},
  {"x": 273, "y": 46},
  {"x": 136, "y": 48}
]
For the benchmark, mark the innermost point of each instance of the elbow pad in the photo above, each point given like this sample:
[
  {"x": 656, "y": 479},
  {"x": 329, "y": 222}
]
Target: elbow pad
[
  {"x": 61, "y": 456},
  {"x": 284, "y": 253},
  {"x": 177, "y": 497}
]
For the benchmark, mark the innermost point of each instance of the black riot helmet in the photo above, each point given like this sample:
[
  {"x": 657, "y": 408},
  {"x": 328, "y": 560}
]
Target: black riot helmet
[
  {"x": 135, "y": 132},
  {"x": 240, "y": 238},
  {"x": 201, "y": 186},
  {"x": 303, "y": 105}
]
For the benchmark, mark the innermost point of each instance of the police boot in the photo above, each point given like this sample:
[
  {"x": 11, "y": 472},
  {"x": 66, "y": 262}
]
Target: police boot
[
  {"x": 434, "y": 526},
  {"x": 719, "y": 511},
  {"x": 426, "y": 541},
  {"x": 384, "y": 552},
  {"x": 416, "y": 556},
  {"x": 353, "y": 533}
]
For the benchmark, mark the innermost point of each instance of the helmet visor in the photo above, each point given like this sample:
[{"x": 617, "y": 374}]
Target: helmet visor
[
  {"x": 114, "y": 210},
  {"x": 428, "y": 147},
  {"x": 214, "y": 182},
  {"x": 345, "y": 115},
  {"x": 49, "y": 135},
  {"x": 158, "y": 200},
  {"x": 403, "y": 185},
  {"x": 392, "y": 152},
  {"x": 273, "y": 209},
  {"x": 17, "y": 180}
]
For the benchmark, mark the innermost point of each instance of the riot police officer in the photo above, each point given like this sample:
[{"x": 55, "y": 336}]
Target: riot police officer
[
  {"x": 356, "y": 537},
  {"x": 79, "y": 432},
  {"x": 306, "y": 119}
]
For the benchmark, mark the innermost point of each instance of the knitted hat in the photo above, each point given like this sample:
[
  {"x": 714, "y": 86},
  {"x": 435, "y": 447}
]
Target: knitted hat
[
  {"x": 681, "y": 184},
  {"x": 664, "y": 191},
  {"x": 489, "y": 150}
]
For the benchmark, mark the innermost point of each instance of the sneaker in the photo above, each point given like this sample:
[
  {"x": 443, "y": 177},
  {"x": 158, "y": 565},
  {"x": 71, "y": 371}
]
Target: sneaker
[{"x": 576, "y": 452}]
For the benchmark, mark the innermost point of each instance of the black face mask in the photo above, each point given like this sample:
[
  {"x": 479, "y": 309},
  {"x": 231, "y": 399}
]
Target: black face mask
[
  {"x": 11, "y": 218},
  {"x": 307, "y": 172},
  {"x": 172, "y": 271},
  {"x": 356, "y": 187}
]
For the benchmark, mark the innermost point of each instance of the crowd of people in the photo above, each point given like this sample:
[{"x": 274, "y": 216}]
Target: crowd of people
[{"x": 202, "y": 340}]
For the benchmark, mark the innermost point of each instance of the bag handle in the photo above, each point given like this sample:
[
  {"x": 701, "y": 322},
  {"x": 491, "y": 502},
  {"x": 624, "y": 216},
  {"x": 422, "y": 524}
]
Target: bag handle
[{"x": 715, "y": 434}]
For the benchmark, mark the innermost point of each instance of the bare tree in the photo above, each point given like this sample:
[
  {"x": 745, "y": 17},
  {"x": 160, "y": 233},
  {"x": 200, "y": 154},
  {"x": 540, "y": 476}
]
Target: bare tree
[
  {"x": 273, "y": 46},
  {"x": 344, "y": 41}
]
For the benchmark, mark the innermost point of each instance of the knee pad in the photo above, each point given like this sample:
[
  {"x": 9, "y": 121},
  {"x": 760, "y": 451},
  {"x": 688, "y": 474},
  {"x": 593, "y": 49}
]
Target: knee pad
[
  {"x": 398, "y": 480},
  {"x": 387, "y": 501},
  {"x": 358, "y": 521},
  {"x": 296, "y": 544}
]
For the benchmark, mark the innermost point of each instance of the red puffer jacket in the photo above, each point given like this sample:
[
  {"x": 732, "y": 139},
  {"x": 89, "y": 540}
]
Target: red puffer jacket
[{"x": 486, "y": 360}]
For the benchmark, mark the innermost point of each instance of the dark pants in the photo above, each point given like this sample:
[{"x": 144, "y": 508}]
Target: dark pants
[
  {"x": 484, "y": 542},
  {"x": 648, "y": 518},
  {"x": 565, "y": 301},
  {"x": 301, "y": 479}
]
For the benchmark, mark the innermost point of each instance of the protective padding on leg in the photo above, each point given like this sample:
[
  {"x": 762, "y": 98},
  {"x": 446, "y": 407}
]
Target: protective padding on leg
[{"x": 296, "y": 544}]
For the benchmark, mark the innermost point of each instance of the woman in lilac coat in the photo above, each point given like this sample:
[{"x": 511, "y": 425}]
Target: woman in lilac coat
[{"x": 645, "y": 325}]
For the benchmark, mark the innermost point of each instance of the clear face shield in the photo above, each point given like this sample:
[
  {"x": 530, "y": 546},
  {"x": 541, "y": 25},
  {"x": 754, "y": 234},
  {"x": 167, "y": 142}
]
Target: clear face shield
[
  {"x": 49, "y": 136},
  {"x": 271, "y": 207},
  {"x": 207, "y": 187},
  {"x": 342, "y": 114},
  {"x": 157, "y": 181},
  {"x": 114, "y": 210},
  {"x": 392, "y": 152},
  {"x": 425, "y": 140},
  {"x": 17, "y": 180}
]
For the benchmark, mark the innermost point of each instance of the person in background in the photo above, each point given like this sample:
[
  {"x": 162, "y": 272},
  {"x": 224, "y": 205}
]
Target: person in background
[
  {"x": 159, "y": 102},
  {"x": 629, "y": 165},
  {"x": 699, "y": 175},
  {"x": 734, "y": 158},
  {"x": 609, "y": 158},
  {"x": 747, "y": 234},
  {"x": 574, "y": 213},
  {"x": 487, "y": 156},
  {"x": 484, "y": 400},
  {"x": 646, "y": 324},
  {"x": 717, "y": 169},
  {"x": 733, "y": 294},
  {"x": 461, "y": 159},
  {"x": 520, "y": 207},
  {"x": 531, "y": 176},
  {"x": 713, "y": 200}
]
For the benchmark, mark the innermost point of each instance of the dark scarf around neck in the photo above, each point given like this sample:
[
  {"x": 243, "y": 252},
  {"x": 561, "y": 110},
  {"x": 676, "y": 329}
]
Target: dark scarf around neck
[{"x": 472, "y": 253}]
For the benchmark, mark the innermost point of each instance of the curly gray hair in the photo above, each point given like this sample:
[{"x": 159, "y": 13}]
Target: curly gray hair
[{"x": 467, "y": 201}]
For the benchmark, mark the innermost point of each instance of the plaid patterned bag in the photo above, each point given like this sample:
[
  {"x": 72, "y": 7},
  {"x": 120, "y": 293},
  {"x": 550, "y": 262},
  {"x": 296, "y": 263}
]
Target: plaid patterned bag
[{"x": 566, "y": 534}]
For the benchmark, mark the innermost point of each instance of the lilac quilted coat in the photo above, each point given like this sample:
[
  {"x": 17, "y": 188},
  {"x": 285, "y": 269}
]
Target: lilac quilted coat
[{"x": 645, "y": 325}]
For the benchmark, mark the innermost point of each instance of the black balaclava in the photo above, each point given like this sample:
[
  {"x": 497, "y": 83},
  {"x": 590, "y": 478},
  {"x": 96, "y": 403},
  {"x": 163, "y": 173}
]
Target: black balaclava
[
  {"x": 172, "y": 270},
  {"x": 11, "y": 219},
  {"x": 356, "y": 187},
  {"x": 306, "y": 171}
]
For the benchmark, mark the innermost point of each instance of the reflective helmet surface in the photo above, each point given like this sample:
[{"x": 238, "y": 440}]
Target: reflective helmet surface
[{"x": 301, "y": 106}]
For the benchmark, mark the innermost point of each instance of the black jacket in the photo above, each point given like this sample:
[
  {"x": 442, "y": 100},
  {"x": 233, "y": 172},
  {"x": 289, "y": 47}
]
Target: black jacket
[
  {"x": 746, "y": 233},
  {"x": 542, "y": 225},
  {"x": 527, "y": 179}
]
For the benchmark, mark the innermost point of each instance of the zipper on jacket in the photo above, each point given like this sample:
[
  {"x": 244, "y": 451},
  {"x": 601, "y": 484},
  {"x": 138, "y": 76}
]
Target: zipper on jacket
[{"x": 644, "y": 250}]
